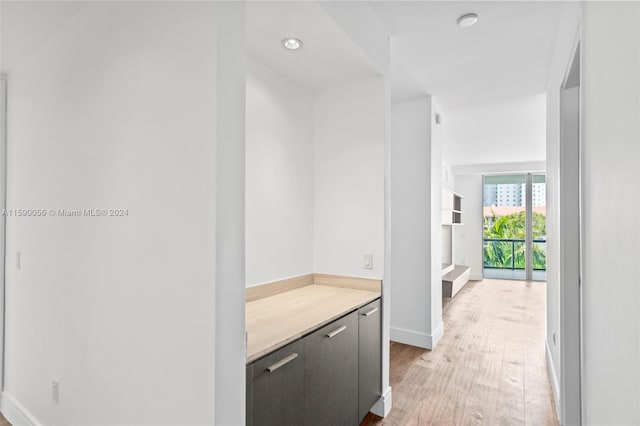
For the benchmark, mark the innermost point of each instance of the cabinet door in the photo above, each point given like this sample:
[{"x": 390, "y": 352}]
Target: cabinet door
[
  {"x": 331, "y": 374},
  {"x": 277, "y": 388},
  {"x": 249, "y": 390},
  {"x": 370, "y": 357}
]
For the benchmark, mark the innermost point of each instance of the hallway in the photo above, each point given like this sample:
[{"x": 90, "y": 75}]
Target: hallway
[{"x": 489, "y": 368}]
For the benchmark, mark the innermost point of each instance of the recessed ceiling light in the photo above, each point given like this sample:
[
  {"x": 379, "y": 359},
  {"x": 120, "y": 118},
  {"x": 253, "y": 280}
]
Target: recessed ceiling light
[
  {"x": 467, "y": 20},
  {"x": 292, "y": 43}
]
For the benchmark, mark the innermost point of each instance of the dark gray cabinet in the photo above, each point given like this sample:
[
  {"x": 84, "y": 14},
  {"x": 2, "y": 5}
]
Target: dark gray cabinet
[
  {"x": 249, "y": 390},
  {"x": 331, "y": 374},
  {"x": 369, "y": 357},
  {"x": 277, "y": 388}
]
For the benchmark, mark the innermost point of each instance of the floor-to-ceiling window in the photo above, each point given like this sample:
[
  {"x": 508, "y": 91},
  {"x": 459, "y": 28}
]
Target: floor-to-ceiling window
[{"x": 514, "y": 211}]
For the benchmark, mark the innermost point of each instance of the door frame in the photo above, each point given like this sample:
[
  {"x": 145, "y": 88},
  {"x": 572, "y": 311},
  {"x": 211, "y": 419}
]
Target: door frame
[{"x": 570, "y": 240}]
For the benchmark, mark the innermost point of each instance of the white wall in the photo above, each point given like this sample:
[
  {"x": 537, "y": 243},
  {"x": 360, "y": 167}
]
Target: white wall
[
  {"x": 279, "y": 186},
  {"x": 118, "y": 111},
  {"x": 315, "y": 178},
  {"x": 416, "y": 249},
  {"x": 467, "y": 239},
  {"x": 349, "y": 138},
  {"x": 610, "y": 202},
  {"x": 507, "y": 132}
]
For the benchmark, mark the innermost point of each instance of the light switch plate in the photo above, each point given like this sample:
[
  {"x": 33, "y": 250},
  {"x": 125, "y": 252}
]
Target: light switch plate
[
  {"x": 368, "y": 261},
  {"x": 55, "y": 390}
]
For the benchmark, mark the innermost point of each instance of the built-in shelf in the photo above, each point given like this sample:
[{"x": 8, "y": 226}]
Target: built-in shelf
[
  {"x": 454, "y": 277},
  {"x": 451, "y": 208},
  {"x": 453, "y": 281}
]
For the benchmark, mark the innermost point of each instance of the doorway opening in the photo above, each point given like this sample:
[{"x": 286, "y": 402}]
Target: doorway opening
[{"x": 514, "y": 226}]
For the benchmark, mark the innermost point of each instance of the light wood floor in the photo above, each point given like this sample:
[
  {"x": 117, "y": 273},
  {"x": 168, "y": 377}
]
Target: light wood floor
[
  {"x": 488, "y": 369},
  {"x": 3, "y": 421}
]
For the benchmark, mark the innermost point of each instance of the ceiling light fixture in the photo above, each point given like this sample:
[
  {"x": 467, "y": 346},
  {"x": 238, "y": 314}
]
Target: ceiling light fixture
[
  {"x": 291, "y": 43},
  {"x": 467, "y": 20}
]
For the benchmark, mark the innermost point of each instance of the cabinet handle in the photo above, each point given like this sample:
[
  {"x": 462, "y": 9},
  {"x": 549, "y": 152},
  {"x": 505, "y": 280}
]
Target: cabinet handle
[
  {"x": 337, "y": 331},
  {"x": 371, "y": 312},
  {"x": 282, "y": 362}
]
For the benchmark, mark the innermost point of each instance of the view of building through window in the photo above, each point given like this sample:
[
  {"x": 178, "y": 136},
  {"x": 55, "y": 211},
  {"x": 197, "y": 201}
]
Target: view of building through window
[{"x": 505, "y": 226}]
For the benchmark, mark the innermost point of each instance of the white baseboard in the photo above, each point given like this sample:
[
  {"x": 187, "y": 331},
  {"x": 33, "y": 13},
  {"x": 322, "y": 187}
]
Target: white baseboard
[
  {"x": 417, "y": 338},
  {"x": 382, "y": 407},
  {"x": 436, "y": 336},
  {"x": 15, "y": 412},
  {"x": 410, "y": 337},
  {"x": 475, "y": 276},
  {"x": 553, "y": 377}
]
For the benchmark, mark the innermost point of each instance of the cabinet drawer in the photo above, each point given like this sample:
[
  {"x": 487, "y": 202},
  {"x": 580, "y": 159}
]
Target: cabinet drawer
[
  {"x": 331, "y": 374},
  {"x": 277, "y": 387},
  {"x": 369, "y": 356}
]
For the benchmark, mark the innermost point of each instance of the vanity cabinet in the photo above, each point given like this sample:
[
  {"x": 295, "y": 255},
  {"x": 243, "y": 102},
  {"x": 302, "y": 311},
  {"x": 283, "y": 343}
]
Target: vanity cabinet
[
  {"x": 275, "y": 394},
  {"x": 331, "y": 374},
  {"x": 369, "y": 356}
]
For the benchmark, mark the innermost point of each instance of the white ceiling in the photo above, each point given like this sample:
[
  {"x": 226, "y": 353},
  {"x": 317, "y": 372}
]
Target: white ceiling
[
  {"x": 506, "y": 55},
  {"x": 328, "y": 57},
  {"x": 482, "y": 77},
  {"x": 25, "y": 25}
]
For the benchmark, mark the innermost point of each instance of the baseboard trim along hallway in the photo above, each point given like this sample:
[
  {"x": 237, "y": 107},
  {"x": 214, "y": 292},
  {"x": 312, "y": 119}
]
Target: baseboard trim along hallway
[
  {"x": 416, "y": 338},
  {"x": 553, "y": 377}
]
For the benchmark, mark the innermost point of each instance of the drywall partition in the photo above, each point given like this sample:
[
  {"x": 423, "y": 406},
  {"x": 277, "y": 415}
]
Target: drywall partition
[
  {"x": 415, "y": 173},
  {"x": 279, "y": 210},
  {"x": 610, "y": 173},
  {"x": 349, "y": 138},
  {"x": 230, "y": 336},
  {"x": 118, "y": 111}
]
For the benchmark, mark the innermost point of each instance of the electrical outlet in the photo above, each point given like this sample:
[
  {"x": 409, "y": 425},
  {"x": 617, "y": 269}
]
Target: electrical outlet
[
  {"x": 368, "y": 261},
  {"x": 55, "y": 391}
]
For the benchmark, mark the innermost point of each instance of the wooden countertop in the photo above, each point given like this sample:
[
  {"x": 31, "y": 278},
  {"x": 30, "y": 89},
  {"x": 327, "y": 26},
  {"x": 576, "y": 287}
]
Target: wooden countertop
[{"x": 274, "y": 321}]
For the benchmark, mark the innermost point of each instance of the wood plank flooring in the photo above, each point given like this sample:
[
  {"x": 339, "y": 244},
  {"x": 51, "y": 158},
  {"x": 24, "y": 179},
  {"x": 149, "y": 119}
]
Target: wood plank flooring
[
  {"x": 488, "y": 369},
  {"x": 3, "y": 421}
]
